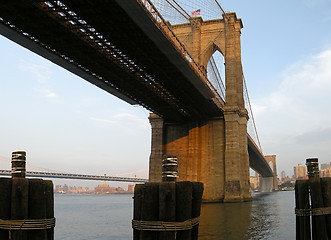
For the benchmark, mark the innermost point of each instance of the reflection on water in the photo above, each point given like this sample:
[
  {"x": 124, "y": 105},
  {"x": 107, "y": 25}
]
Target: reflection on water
[{"x": 268, "y": 216}]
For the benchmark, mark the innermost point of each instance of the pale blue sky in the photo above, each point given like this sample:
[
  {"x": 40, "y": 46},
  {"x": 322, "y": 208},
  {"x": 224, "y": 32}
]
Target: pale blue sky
[{"x": 66, "y": 124}]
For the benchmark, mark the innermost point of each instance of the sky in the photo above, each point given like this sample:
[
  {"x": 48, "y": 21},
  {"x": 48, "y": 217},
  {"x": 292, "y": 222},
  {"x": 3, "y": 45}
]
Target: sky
[{"x": 67, "y": 124}]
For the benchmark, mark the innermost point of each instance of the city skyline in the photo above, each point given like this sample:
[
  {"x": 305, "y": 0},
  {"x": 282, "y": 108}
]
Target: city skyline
[{"x": 62, "y": 121}]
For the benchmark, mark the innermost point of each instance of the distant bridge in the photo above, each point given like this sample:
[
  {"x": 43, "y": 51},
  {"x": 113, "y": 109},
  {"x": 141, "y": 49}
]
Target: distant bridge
[{"x": 76, "y": 176}]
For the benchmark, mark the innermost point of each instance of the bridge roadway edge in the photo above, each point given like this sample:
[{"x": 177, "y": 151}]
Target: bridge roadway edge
[
  {"x": 133, "y": 8},
  {"x": 41, "y": 51}
]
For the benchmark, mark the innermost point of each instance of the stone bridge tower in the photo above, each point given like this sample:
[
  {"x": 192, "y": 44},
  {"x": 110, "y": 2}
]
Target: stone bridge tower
[
  {"x": 213, "y": 151},
  {"x": 271, "y": 160}
]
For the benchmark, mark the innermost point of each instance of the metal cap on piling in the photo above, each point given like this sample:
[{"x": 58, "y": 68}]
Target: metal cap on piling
[
  {"x": 18, "y": 168},
  {"x": 312, "y": 167},
  {"x": 169, "y": 168}
]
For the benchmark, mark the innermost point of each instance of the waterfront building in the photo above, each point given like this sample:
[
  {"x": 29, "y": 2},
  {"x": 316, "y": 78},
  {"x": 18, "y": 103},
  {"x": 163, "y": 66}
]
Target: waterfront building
[
  {"x": 300, "y": 172},
  {"x": 325, "y": 172},
  {"x": 104, "y": 189},
  {"x": 325, "y": 166},
  {"x": 131, "y": 188}
]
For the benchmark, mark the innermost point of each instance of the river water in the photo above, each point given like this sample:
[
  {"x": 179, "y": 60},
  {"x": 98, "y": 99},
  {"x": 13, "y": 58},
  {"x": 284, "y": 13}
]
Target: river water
[{"x": 108, "y": 217}]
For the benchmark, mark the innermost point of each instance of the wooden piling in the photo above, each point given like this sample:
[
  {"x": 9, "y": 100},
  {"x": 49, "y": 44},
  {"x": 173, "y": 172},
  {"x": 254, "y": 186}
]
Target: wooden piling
[
  {"x": 37, "y": 207},
  {"x": 49, "y": 196},
  {"x": 5, "y": 198},
  {"x": 318, "y": 222},
  {"x": 167, "y": 208},
  {"x": 137, "y": 205},
  {"x": 169, "y": 168},
  {"x": 326, "y": 192},
  {"x": 150, "y": 209},
  {"x": 18, "y": 164},
  {"x": 30, "y": 200},
  {"x": 302, "y": 202},
  {"x": 19, "y": 205},
  {"x": 167, "y": 211},
  {"x": 197, "y": 191},
  {"x": 183, "y": 207}
]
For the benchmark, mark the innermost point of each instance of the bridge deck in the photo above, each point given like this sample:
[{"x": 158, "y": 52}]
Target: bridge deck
[
  {"x": 115, "y": 45},
  {"x": 76, "y": 176},
  {"x": 256, "y": 159},
  {"x": 118, "y": 46}
]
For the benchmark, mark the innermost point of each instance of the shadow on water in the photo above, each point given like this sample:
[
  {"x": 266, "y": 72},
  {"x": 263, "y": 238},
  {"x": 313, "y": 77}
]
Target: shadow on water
[{"x": 268, "y": 216}]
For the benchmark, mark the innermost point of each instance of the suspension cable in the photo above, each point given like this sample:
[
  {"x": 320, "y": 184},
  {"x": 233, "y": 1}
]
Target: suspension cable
[
  {"x": 250, "y": 108},
  {"x": 182, "y": 9},
  {"x": 178, "y": 9},
  {"x": 218, "y": 76},
  {"x": 219, "y": 5}
]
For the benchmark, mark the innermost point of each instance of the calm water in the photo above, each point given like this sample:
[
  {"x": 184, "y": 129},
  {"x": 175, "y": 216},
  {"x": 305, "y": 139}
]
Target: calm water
[{"x": 101, "y": 217}]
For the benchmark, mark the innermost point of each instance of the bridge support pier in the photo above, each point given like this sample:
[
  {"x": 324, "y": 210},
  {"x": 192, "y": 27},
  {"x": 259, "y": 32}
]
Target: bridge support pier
[
  {"x": 271, "y": 160},
  {"x": 200, "y": 147},
  {"x": 266, "y": 184},
  {"x": 236, "y": 157}
]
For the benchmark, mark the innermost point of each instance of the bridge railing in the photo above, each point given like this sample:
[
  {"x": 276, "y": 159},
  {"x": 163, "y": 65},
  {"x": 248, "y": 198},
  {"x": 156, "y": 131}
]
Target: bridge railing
[{"x": 165, "y": 27}]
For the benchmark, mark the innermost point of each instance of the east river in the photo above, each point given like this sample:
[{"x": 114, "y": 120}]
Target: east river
[{"x": 108, "y": 217}]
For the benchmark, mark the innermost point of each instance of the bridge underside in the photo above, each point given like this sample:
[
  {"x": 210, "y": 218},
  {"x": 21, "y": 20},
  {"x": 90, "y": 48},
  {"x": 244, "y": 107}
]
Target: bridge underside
[
  {"x": 257, "y": 161},
  {"x": 119, "y": 47},
  {"x": 115, "y": 45}
]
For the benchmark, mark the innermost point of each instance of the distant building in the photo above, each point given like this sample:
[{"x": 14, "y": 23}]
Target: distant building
[
  {"x": 325, "y": 172},
  {"x": 104, "y": 189},
  {"x": 284, "y": 178},
  {"x": 131, "y": 188},
  {"x": 72, "y": 190},
  {"x": 300, "y": 172},
  {"x": 100, "y": 189},
  {"x": 325, "y": 166},
  {"x": 65, "y": 188},
  {"x": 119, "y": 190}
]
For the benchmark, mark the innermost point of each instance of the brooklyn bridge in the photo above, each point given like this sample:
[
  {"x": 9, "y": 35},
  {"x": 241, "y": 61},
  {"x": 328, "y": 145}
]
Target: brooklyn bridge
[{"x": 130, "y": 50}]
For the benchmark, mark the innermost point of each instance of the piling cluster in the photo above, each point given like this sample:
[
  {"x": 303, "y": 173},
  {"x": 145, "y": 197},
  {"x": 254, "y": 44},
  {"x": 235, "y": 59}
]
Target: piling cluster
[
  {"x": 168, "y": 210},
  {"x": 313, "y": 205},
  {"x": 26, "y": 205}
]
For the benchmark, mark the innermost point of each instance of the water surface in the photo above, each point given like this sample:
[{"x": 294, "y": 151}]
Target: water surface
[{"x": 108, "y": 217}]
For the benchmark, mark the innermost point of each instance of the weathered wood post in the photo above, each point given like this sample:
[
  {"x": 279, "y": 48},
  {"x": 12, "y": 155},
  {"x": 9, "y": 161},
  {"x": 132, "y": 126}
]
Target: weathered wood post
[
  {"x": 5, "y": 197},
  {"x": 167, "y": 195},
  {"x": 302, "y": 202},
  {"x": 318, "y": 222},
  {"x": 20, "y": 194},
  {"x": 49, "y": 191},
  {"x": 26, "y": 205},
  {"x": 197, "y": 191},
  {"x": 183, "y": 207},
  {"x": 326, "y": 192},
  {"x": 168, "y": 210},
  {"x": 138, "y": 197},
  {"x": 150, "y": 209},
  {"x": 37, "y": 206}
]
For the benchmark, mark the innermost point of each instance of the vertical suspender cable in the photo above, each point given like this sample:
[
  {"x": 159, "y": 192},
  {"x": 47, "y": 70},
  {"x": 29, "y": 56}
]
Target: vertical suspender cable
[{"x": 250, "y": 107}]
